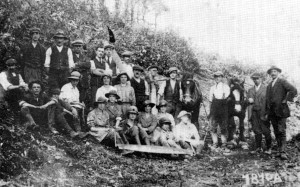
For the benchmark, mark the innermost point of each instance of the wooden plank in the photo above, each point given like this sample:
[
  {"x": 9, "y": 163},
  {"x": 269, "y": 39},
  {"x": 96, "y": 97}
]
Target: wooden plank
[{"x": 154, "y": 149}]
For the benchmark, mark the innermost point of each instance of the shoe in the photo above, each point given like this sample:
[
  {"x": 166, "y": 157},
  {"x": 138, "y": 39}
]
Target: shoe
[
  {"x": 256, "y": 151},
  {"x": 283, "y": 156},
  {"x": 126, "y": 152},
  {"x": 268, "y": 151},
  {"x": 73, "y": 134},
  {"x": 53, "y": 130}
]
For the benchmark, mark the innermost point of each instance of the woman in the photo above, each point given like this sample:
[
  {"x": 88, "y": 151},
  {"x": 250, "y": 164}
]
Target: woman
[
  {"x": 106, "y": 79},
  {"x": 147, "y": 122},
  {"x": 113, "y": 109},
  {"x": 162, "y": 107}
]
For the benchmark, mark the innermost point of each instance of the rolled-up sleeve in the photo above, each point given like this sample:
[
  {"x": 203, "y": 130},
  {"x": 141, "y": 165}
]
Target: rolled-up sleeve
[
  {"x": 4, "y": 82},
  {"x": 211, "y": 94},
  {"x": 161, "y": 89},
  {"x": 70, "y": 57},
  {"x": 47, "y": 59},
  {"x": 93, "y": 66},
  {"x": 147, "y": 91}
]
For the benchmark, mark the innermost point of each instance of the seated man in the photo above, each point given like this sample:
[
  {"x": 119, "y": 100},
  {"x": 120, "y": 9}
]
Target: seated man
[
  {"x": 70, "y": 94},
  {"x": 186, "y": 133},
  {"x": 98, "y": 122},
  {"x": 34, "y": 106},
  {"x": 128, "y": 129},
  {"x": 59, "y": 111},
  {"x": 164, "y": 135},
  {"x": 13, "y": 85},
  {"x": 147, "y": 122},
  {"x": 162, "y": 112}
]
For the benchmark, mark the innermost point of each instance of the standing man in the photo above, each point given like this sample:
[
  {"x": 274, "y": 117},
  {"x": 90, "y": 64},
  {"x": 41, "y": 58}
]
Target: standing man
[
  {"x": 171, "y": 91},
  {"x": 126, "y": 63},
  {"x": 59, "y": 61},
  {"x": 140, "y": 87},
  {"x": 110, "y": 63},
  {"x": 279, "y": 91},
  {"x": 8, "y": 50},
  {"x": 83, "y": 66},
  {"x": 33, "y": 57},
  {"x": 257, "y": 114},
  {"x": 218, "y": 110}
]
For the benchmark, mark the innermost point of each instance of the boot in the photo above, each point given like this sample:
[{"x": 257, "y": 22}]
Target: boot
[{"x": 214, "y": 138}]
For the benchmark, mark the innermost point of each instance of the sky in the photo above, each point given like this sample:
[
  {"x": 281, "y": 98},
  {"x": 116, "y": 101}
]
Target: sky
[{"x": 260, "y": 31}]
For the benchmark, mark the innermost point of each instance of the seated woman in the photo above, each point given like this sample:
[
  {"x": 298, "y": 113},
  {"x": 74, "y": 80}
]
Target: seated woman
[
  {"x": 163, "y": 134},
  {"x": 113, "y": 109},
  {"x": 106, "y": 78},
  {"x": 186, "y": 133},
  {"x": 147, "y": 122},
  {"x": 162, "y": 112},
  {"x": 128, "y": 128},
  {"x": 98, "y": 122}
]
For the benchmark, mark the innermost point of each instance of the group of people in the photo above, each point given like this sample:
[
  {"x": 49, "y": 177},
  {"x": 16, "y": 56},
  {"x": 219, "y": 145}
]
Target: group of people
[
  {"x": 111, "y": 99},
  {"x": 116, "y": 101}
]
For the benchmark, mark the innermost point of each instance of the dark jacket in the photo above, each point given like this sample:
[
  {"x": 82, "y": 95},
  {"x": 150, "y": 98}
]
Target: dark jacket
[
  {"x": 259, "y": 98},
  {"x": 33, "y": 57},
  {"x": 282, "y": 90}
]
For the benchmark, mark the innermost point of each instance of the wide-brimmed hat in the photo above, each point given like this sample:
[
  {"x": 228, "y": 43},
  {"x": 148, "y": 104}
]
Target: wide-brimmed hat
[
  {"x": 10, "y": 61},
  {"x": 138, "y": 68},
  {"x": 183, "y": 113},
  {"x": 109, "y": 46},
  {"x": 127, "y": 54},
  {"x": 153, "y": 66},
  {"x": 60, "y": 34},
  {"x": 255, "y": 76},
  {"x": 75, "y": 75},
  {"x": 122, "y": 73},
  {"x": 54, "y": 91},
  {"x": 162, "y": 103},
  {"x": 148, "y": 102},
  {"x": 218, "y": 74},
  {"x": 78, "y": 42},
  {"x": 164, "y": 120},
  {"x": 132, "y": 110},
  {"x": 100, "y": 100},
  {"x": 35, "y": 29},
  {"x": 272, "y": 68},
  {"x": 171, "y": 69},
  {"x": 112, "y": 92}
]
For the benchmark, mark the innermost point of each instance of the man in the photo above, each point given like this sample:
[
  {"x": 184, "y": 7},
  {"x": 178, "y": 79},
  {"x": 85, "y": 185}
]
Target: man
[
  {"x": 140, "y": 87},
  {"x": 257, "y": 112},
  {"x": 33, "y": 57},
  {"x": 126, "y": 63},
  {"x": 83, "y": 66},
  {"x": 58, "y": 113},
  {"x": 171, "y": 91},
  {"x": 110, "y": 63},
  {"x": 125, "y": 91},
  {"x": 218, "y": 109},
  {"x": 59, "y": 61},
  {"x": 70, "y": 94},
  {"x": 13, "y": 85},
  {"x": 279, "y": 91},
  {"x": 8, "y": 50},
  {"x": 34, "y": 106}
]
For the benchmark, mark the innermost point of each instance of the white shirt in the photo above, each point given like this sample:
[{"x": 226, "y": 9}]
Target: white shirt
[
  {"x": 104, "y": 90},
  {"x": 4, "y": 82},
  {"x": 69, "y": 93},
  {"x": 187, "y": 132},
  {"x": 49, "y": 52},
  {"x": 257, "y": 87},
  {"x": 34, "y": 44},
  {"x": 218, "y": 90},
  {"x": 274, "y": 81}
]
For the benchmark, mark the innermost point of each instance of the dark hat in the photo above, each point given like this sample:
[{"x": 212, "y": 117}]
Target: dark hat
[
  {"x": 10, "y": 61},
  {"x": 35, "y": 29},
  {"x": 100, "y": 100},
  {"x": 153, "y": 66},
  {"x": 148, "y": 102},
  {"x": 127, "y": 54},
  {"x": 75, "y": 75},
  {"x": 60, "y": 34},
  {"x": 162, "y": 103},
  {"x": 78, "y": 42},
  {"x": 137, "y": 68},
  {"x": 255, "y": 75},
  {"x": 132, "y": 110},
  {"x": 218, "y": 74},
  {"x": 183, "y": 113},
  {"x": 109, "y": 46},
  {"x": 112, "y": 92},
  {"x": 54, "y": 91},
  {"x": 171, "y": 69},
  {"x": 122, "y": 73},
  {"x": 274, "y": 67},
  {"x": 164, "y": 120}
]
